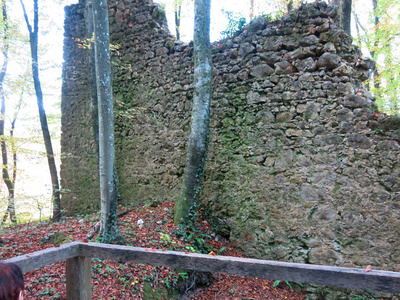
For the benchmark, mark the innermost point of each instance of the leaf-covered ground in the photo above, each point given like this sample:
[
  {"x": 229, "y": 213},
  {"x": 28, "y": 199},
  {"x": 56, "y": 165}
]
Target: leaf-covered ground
[{"x": 113, "y": 280}]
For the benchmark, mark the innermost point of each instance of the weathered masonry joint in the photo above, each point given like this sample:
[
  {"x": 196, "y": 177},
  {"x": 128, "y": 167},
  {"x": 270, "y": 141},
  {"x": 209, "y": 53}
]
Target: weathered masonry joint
[{"x": 299, "y": 168}]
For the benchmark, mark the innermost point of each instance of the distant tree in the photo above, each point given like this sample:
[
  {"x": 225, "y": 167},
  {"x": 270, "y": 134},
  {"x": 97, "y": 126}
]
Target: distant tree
[
  {"x": 364, "y": 36},
  {"x": 177, "y": 11},
  {"x": 33, "y": 40},
  {"x": 18, "y": 82},
  {"x": 380, "y": 36},
  {"x": 236, "y": 22},
  {"x": 9, "y": 181},
  {"x": 346, "y": 15},
  {"x": 345, "y": 7},
  {"x": 384, "y": 44},
  {"x": 199, "y": 133},
  {"x": 281, "y": 7},
  {"x": 108, "y": 192},
  {"x": 290, "y": 6}
]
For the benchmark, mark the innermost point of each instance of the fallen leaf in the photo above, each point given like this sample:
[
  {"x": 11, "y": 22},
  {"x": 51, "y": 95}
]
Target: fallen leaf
[{"x": 107, "y": 286}]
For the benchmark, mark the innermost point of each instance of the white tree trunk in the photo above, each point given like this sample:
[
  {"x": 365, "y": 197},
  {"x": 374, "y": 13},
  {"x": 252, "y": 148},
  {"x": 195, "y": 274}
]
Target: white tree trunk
[{"x": 109, "y": 226}]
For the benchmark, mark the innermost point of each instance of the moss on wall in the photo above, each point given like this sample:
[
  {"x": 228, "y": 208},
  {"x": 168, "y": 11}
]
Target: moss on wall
[{"x": 299, "y": 168}]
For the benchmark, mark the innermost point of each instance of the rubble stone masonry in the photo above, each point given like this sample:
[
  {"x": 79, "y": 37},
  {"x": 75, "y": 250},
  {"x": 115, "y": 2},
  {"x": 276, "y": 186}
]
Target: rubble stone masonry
[{"x": 301, "y": 166}]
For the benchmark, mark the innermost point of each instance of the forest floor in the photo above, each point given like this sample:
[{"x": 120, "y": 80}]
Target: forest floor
[{"x": 114, "y": 280}]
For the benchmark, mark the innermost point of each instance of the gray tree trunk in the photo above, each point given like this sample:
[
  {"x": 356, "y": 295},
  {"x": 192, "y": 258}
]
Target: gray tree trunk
[
  {"x": 375, "y": 72},
  {"x": 6, "y": 178},
  {"x": 33, "y": 39},
  {"x": 10, "y": 180},
  {"x": 344, "y": 14},
  {"x": 178, "y": 9},
  {"x": 199, "y": 134},
  {"x": 290, "y": 6},
  {"x": 109, "y": 218},
  {"x": 93, "y": 88}
]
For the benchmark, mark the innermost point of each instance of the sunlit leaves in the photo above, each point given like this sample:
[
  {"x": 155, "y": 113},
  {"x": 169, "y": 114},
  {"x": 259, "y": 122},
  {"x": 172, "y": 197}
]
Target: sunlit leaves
[{"x": 383, "y": 42}]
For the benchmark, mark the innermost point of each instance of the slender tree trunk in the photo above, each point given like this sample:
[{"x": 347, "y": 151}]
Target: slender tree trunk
[
  {"x": 178, "y": 9},
  {"x": 199, "y": 135},
  {"x": 6, "y": 178},
  {"x": 109, "y": 206},
  {"x": 10, "y": 181},
  {"x": 33, "y": 39},
  {"x": 374, "y": 73},
  {"x": 356, "y": 21},
  {"x": 251, "y": 10},
  {"x": 375, "y": 8},
  {"x": 346, "y": 15},
  {"x": 290, "y": 6},
  {"x": 376, "y": 23},
  {"x": 93, "y": 88}
]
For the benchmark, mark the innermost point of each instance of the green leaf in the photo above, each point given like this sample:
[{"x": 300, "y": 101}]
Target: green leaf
[
  {"x": 276, "y": 283},
  {"x": 222, "y": 249}
]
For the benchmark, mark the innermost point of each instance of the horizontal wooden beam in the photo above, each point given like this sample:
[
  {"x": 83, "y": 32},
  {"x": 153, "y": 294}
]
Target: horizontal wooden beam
[
  {"x": 352, "y": 278},
  {"x": 42, "y": 258}
]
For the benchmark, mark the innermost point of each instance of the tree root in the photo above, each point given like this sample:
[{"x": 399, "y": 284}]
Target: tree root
[{"x": 96, "y": 227}]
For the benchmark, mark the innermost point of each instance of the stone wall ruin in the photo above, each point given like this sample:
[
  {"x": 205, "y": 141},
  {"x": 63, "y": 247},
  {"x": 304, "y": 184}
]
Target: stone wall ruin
[{"x": 300, "y": 168}]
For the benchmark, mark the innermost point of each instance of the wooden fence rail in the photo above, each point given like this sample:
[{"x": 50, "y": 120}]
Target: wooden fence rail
[{"x": 78, "y": 267}]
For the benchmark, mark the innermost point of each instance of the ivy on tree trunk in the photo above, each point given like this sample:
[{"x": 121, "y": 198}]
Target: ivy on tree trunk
[{"x": 199, "y": 131}]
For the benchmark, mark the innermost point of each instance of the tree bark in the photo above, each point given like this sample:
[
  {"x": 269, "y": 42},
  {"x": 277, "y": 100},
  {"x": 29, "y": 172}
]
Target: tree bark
[
  {"x": 290, "y": 6},
  {"x": 251, "y": 10},
  {"x": 93, "y": 88},
  {"x": 10, "y": 181},
  {"x": 33, "y": 39},
  {"x": 6, "y": 178},
  {"x": 375, "y": 9},
  {"x": 178, "y": 9},
  {"x": 375, "y": 72},
  {"x": 109, "y": 206},
  {"x": 199, "y": 135},
  {"x": 346, "y": 15}
]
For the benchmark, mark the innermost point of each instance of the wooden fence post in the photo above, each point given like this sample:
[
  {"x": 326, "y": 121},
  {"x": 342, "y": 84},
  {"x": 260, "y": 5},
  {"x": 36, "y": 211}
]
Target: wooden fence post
[{"x": 79, "y": 278}]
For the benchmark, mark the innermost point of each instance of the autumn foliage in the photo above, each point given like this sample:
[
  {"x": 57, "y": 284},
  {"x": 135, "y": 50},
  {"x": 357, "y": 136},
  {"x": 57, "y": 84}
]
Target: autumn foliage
[{"x": 114, "y": 280}]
